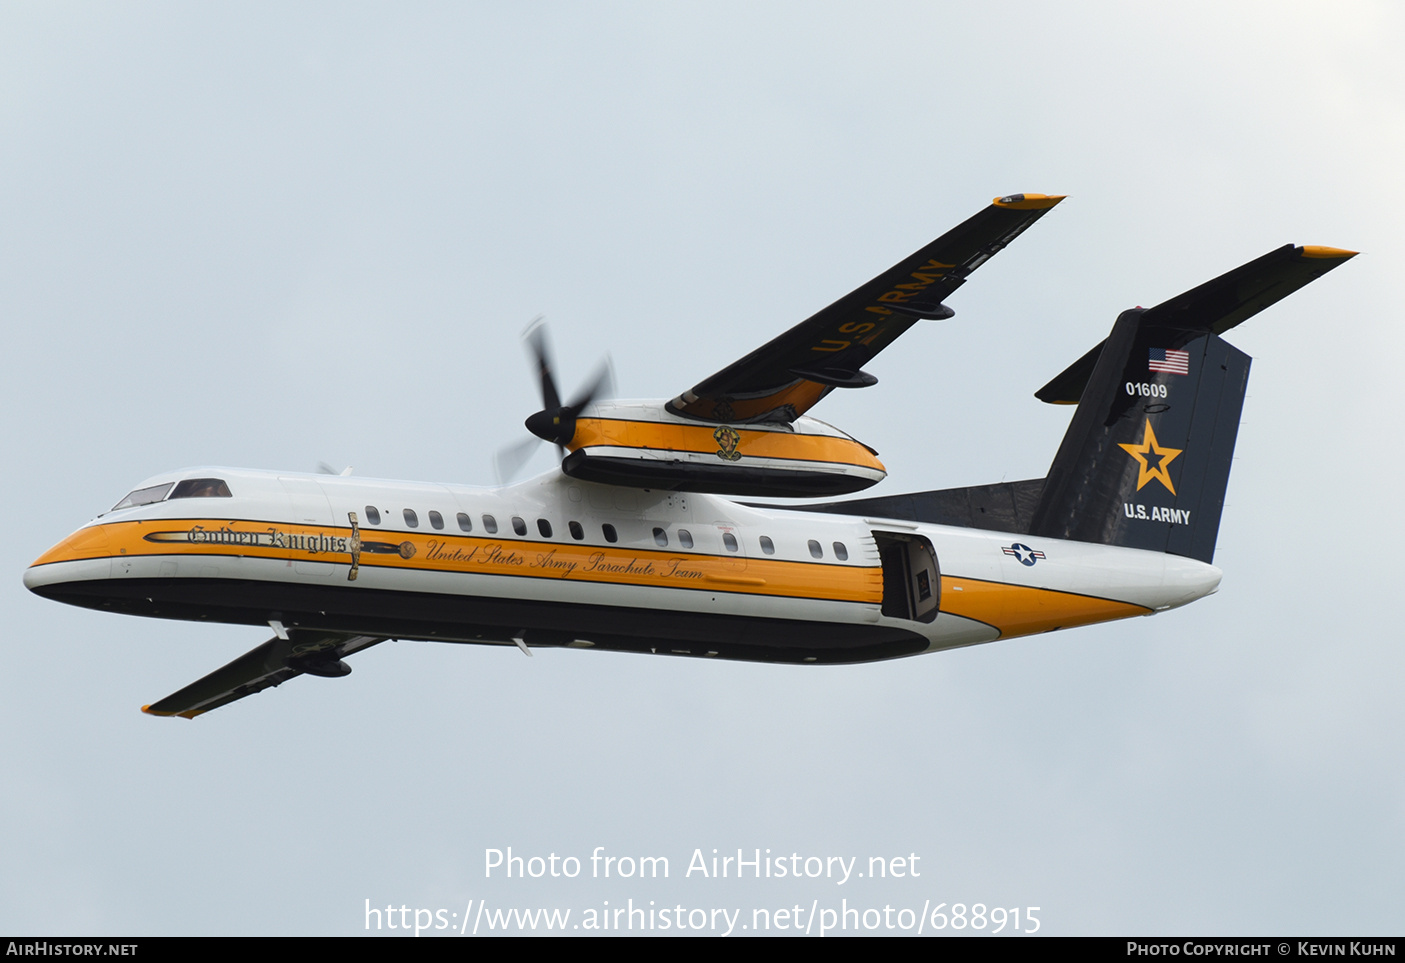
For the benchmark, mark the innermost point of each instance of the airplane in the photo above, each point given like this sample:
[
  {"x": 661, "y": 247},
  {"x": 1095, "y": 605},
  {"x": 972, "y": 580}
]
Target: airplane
[{"x": 644, "y": 540}]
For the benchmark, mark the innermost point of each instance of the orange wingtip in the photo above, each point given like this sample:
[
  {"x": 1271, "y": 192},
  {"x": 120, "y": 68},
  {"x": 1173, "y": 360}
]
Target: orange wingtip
[
  {"x": 1028, "y": 202},
  {"x": 184, "y": 715},
  {"x": 1314, "y": 250}
]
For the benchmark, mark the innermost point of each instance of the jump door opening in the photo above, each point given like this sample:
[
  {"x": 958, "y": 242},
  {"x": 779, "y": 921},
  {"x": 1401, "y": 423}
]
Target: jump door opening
[{"x": 912, "y": 584}]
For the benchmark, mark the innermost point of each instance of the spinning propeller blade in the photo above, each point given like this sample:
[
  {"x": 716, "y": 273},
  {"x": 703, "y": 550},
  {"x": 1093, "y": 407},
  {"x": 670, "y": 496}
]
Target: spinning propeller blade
[{"x": 555, "y": 422}]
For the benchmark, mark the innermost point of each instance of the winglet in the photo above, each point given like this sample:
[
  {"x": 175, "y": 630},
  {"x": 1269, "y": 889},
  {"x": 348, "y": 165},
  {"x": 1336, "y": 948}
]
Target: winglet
[{"x": 1028, "y": 202}]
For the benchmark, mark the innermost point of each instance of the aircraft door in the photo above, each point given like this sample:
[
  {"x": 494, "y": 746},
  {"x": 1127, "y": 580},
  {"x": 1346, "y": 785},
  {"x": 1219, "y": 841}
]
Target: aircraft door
[
  {"x": 912, "y": 583},
  {"x": 311, "y": 515}
]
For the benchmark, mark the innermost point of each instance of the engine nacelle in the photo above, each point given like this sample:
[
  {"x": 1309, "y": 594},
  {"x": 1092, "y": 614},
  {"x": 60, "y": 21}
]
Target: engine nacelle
[{"x": 642, "y": 445}]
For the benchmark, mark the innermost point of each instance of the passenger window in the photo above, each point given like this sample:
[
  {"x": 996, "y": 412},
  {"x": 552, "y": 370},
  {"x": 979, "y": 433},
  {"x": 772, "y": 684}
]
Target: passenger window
[
  {"x": 544, "y": 527},
  {"x": 660, "y": 538},
  {"x": 729, "y": 541},
  {"x": 609, "y": 532},
  {"x": 840, "y": 552},
  {"x": 373, "y": 515},
  {"x": 577, "y": 532},
  {"x": 490, "y": 524},
  {"x": 685, "y": 538},
  {"x": 411, "y": 518},
  {"x": 436, "y": 521},
  {"x": 519, "y": 526},
  {"x": 815, "y": 550},
  {"x": 465, "y": 523},
  {"x": 768, "y": 546}
]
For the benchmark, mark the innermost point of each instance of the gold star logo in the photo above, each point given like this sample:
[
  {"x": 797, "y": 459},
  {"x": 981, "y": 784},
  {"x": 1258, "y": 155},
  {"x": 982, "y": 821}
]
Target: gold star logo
[{"x": 1152, "y": 459}]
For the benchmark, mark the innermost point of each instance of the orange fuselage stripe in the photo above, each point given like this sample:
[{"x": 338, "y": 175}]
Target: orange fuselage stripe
[
  {"x": 1014, "y": 610},
  {"x": 601, "y": 432},
  {"x": 440, "y": 552},
  {"x": 1021, "y": 610}
]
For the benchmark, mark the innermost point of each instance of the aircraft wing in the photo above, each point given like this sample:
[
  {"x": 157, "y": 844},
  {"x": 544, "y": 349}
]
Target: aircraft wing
[
  {"x": 1214, "y": 306},
  {"x": 785, "y": 377},
  {"x": 271, "y": 664}
]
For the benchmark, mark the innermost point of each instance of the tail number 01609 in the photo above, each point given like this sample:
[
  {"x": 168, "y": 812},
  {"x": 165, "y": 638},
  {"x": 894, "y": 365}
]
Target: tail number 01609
[{"x": 1146, "y": 389}]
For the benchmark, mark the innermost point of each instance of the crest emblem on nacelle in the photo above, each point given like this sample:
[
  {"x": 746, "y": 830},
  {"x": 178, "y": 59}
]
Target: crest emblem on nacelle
[{"x": 727, "y": 439}]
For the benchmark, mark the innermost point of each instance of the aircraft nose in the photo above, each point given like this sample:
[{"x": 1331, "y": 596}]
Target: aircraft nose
[{"x": 83, "y": 545}]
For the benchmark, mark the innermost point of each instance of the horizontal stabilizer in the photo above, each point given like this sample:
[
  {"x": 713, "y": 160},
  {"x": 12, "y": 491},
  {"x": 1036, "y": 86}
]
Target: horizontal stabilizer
[
  {"x": 271, "y": 664},
  {"x": 1214, "y": 307},
  {"x": 1002, "y": 507}
]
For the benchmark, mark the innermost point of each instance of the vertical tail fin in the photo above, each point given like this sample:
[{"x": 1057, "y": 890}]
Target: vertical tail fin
[{"x": 1145, "y": 462}]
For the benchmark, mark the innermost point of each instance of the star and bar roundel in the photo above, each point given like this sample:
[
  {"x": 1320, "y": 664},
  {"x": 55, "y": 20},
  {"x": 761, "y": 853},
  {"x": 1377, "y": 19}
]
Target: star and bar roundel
[{"x": 1023, "y": 553}]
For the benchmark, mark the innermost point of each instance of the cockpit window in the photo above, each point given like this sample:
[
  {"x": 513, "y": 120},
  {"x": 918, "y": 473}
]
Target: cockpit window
[
  {"x": 144, "y": 496},
  {"x": 202, "y": 488}
]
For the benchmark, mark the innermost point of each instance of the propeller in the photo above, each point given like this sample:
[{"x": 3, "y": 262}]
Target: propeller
[{"x": 556, "y": 422}]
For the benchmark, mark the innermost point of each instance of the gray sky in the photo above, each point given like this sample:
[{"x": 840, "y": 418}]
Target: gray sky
[{"x": 267, "y": 236}]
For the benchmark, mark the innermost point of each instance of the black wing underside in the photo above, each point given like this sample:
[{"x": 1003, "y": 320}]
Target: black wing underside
[
  {"x": 271, "y": 664},
  {"x": 784, "y": 378}
]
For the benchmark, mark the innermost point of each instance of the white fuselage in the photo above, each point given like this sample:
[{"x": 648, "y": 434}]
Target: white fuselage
[{"x": 577, "y": 563}]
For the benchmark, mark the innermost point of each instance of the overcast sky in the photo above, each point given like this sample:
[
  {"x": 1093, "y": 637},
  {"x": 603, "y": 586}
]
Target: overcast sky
[{"x": 269, "y": 235}]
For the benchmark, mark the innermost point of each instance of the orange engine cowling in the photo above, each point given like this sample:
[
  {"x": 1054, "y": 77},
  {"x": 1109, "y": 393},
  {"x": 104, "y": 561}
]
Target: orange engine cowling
[{"x": 643, "y": 446}]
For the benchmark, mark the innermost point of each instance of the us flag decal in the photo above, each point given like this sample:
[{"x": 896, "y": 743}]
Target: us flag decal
[{"x": 1169, "y": 360}]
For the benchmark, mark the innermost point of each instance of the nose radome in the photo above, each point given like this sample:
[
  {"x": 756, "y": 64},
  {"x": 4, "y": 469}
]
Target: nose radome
[{"x": 84, "y": 544}]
